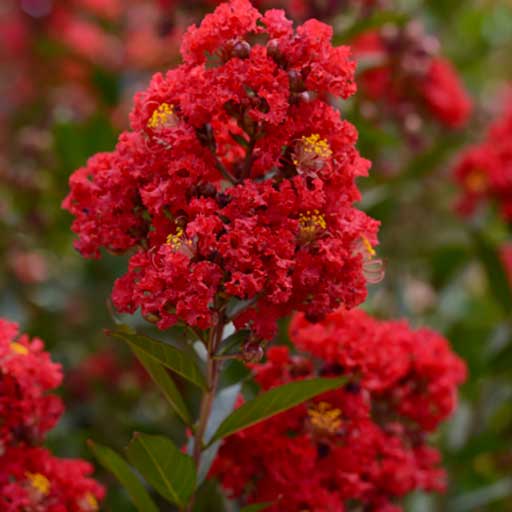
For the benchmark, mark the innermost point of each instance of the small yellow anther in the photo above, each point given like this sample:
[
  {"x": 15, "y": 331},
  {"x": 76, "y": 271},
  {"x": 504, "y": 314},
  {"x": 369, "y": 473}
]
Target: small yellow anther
[
  {"x": 373, "y": 268},
  {"x": 476, "y": 182},
  {"x": 176, "y": 239},
  {"x": 325, "y": 418},
  {"x": 311, "y": 224},
  {"x": 163, "y": 116},
  {"x": 314, "y": 144},
  {"x": 179, "y": 241},
  {"x": 310, "y": 154},
  {"x": 91, "y": 503},
  {"x": 39, "y": 482},
  {"x": 18, "y": 348},
  {"x": 368, "y": 246}
]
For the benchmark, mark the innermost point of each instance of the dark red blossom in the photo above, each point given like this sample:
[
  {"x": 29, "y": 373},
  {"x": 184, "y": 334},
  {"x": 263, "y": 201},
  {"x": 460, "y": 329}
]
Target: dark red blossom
[
  {"x": 27, "y": 373},
  {"x": 415, "y": 369},
  {"x": 364, "y": 444},
  {"x": 409, "y": 80},
  {"x": 32, "y": 479},
  {"x": 484, "y": 170},
  {"x": 237, "y": 181}
]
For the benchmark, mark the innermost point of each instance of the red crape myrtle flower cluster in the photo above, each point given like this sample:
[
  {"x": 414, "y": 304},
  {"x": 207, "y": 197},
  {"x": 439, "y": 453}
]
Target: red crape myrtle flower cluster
[
  {"x": 484, "y": 170},
  {"x": 364, "y": 444},
  {"x": 237, "y": 180},
  {"x": 31, "y": 478},
  {"x": 409, "y": 80}
]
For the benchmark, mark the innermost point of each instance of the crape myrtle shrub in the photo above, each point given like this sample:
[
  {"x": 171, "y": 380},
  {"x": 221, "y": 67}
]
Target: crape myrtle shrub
[
  {"x": 235, "y": 186},
  {"x": 68, "y": 71},
  {"x": 237, "y": 180}
]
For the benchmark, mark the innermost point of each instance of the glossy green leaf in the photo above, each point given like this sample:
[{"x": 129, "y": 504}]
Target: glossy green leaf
[
  {"x": 164, "y": 466},
  {"x": 114, "y": 463},
  {"x": 273, "y": 402},
  {"x": 233, "y": 341},
  {"x": 209, "y": 498},
  {"x": 236, "y": 306},
  {"x": 179, "y": 361},
  {"x": 162, "y": 379}
]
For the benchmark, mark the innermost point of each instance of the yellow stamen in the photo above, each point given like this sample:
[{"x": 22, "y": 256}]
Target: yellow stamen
[
  {"x": 313, "y": 145},
  {"x": 18, "y": 348},
  {"x": 175, "y": 240},
  {"x": 310, "y": 155},
  {"x": 373, "y": 268},
  {"x": 476, "y": 181},
  {"x": 39, "y": 482},
  {"x": 311, "y": 223},
  {"x": 162, "y": 117},
  {"x": 180, "y": 243},
  {"x": 368, "y": 246},
  {"x": 325, "y": 418},
  {"x": 91, "y": 502}
]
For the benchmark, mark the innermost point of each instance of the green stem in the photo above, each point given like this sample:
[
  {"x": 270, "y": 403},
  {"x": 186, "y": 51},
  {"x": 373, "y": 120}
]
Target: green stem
[{"x": 213, "y": 371}]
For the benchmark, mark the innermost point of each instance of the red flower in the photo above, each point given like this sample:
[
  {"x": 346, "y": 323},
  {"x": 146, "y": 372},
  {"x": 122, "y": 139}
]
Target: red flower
[
  {"x": 444, "y": 95},
  {"x": 33, "y": 479},
  {"x": 484, "y": 171},
  {"x": 26, "y": 375},
  {"x": 415, "y": 369},
  {"x": 408, "y": 79},
  {"x": 237, "y": 181},
  {"x": 363, "y": 444}
]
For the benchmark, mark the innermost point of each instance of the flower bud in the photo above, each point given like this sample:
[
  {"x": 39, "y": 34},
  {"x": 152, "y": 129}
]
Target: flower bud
[
  {"x": 252, "y": 351},
  {"x": 241, "y": 50}
]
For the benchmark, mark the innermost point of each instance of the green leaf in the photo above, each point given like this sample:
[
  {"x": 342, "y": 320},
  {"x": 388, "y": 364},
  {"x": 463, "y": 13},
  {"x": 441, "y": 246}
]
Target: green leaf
[
  {"x": 209, "y": 498},
  {"x": 164, "y": 466},
  {"x": 162, "y": 379},
  {"x": 111, "y": 461},
  {"x": 256, "y": 507},
  {"x": 273, "y": 402},
  {"x": 181, "y": 362},
  {"x": 236, "y": 306},
  {"x": 234, "y": 340},
  {"x": 498, "y": 279}
]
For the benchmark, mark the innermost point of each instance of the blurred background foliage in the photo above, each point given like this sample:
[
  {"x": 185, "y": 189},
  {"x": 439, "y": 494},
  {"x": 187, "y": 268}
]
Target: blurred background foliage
[{"x": 66, "y": 96}]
